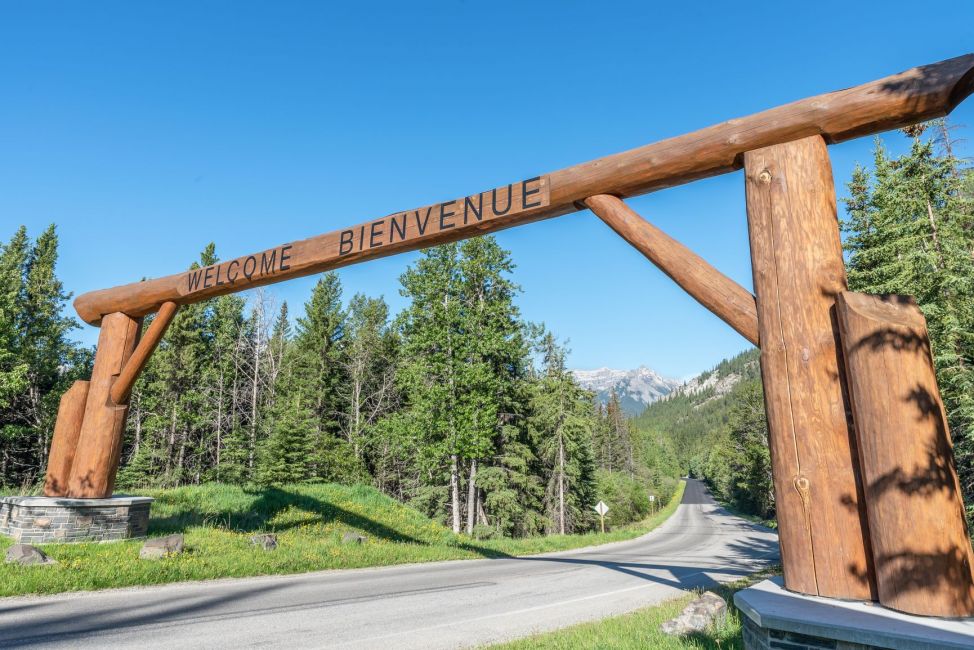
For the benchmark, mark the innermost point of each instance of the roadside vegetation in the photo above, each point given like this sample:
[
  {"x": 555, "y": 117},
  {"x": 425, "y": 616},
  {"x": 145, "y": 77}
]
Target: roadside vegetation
[
  {"x": 309, "y": 521},
  {"x": 641, "y": 629}
]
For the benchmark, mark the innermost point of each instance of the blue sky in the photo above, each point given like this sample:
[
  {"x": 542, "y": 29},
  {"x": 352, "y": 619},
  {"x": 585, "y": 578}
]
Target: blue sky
[{"x": 145, "y": 130}]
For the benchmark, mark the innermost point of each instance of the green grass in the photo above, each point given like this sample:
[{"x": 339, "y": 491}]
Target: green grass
[
  {"x": 641, "y": 629},
  {"x": 309, "y": 521}
]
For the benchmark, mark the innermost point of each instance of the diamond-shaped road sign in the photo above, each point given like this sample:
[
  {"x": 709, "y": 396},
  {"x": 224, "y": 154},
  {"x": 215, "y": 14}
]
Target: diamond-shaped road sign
[{"x": 601, "y": 508}]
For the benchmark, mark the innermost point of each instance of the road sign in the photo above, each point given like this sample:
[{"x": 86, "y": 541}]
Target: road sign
[
  {"x": 652, "y": 497},
  {"x": 601, "y": 508}
]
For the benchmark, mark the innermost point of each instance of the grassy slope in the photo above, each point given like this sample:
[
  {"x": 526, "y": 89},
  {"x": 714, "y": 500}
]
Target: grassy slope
[{"x": 309, "y": 521}]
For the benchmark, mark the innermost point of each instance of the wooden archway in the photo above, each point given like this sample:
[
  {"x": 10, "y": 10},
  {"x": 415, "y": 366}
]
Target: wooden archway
[{"x": 801, "y": 297}]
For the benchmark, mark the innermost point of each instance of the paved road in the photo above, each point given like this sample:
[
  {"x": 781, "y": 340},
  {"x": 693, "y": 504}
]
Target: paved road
[{"x": 438, "y": 605}]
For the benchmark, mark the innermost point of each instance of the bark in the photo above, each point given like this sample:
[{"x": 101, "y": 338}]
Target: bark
[
  {"x": 472, "y": 497},
  {"x": 455, "y": 492},
  {"x": 561, "y": 485}
]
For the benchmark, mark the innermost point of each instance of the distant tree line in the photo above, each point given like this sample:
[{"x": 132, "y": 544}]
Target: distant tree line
[{"x": 456, "y": 406}]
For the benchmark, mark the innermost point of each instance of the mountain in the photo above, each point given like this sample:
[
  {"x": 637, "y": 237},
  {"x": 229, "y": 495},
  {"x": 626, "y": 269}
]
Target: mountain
[
  {"x": 720, "y": 380},
  {"x": 636, "y": 388},
  {"x": 695, "y": 410}
]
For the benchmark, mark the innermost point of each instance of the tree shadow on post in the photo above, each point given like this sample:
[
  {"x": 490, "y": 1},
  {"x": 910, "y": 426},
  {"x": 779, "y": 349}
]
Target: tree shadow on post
[{"x": 918, "y": 531}]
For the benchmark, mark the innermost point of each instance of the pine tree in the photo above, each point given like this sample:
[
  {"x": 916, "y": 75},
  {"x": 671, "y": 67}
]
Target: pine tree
[
  {"x": 495, "y": 354},
  {"x": 315, "y": 378},
  {"x": 563, "y": 420},
  {"x": 429, "y": 375},
  {"x": 13, "y": 369}
]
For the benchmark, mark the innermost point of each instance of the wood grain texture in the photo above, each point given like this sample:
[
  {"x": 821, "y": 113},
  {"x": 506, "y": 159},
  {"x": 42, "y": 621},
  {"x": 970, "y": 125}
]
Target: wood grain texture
[
  {"x": 122, "y": 388},
  {"x": 99, "y": 445},
  {"x": 905, "y": 98},
  {"x": 67, "y": 430},
  {"x": 796, "y": 259},
  {"x": 921, "y": 547},
  {"x": 731, "y": 302}
]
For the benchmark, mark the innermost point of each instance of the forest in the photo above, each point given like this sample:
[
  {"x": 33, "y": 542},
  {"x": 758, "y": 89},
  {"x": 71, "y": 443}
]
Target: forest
[
  {"x": 457, "y": 406},
  {"x": 908, "y": 229}
]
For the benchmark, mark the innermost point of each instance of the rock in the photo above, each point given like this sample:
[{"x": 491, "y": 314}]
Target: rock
[
  {"x": 27, "y": 555},
  {"x": 704, "y": 612},
  {"x": 161, "y": 547},
  {"x": 354, "y": 538},
  {"x": 266, "y": 541}
]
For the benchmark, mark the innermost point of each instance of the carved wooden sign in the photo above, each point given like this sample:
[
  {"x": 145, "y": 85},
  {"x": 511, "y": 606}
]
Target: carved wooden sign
[
  {"x": 411, "y": 229},
  {"x": 430, "y": 224}
]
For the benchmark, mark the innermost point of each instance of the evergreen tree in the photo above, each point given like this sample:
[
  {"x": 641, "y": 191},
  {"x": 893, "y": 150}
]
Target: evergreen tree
[
  {"x": 315, "y": 377},
  {"x": 429, "y": 375},
  {"x": 13, "y": 369},
  {"x": 38, "y": 361},
  {"x": 563, "y": 421}
]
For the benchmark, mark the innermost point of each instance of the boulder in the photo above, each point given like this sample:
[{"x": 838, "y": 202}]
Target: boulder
[
  {"x": 266, "y": 541},
  {"x": 27, "y": 555},
  {"x": 158, "y": 548},
  {"x": 707, "y": 611},
  {"x": 353, "y": 538}
]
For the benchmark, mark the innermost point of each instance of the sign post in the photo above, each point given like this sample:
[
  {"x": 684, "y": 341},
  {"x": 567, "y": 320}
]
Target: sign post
[{"x": 601, "y": 508}]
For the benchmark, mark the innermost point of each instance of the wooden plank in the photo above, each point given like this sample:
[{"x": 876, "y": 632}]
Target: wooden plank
[
  {"x": 728, "y": 300},
  {"x": 122, "y": 388},
  {"x": 921, "y": 547},
  {"x": 796, "y": 259},
  {"x": 67, "y": 430},
  {"x": 902, "y": 99},
  {"x": 99, "y": 445}
]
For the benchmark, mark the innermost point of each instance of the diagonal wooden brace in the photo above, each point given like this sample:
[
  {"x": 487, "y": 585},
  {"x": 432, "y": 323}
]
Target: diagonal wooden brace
[
  {"x": 728, "y": 300},
  {"x": 122, "y": 388}
]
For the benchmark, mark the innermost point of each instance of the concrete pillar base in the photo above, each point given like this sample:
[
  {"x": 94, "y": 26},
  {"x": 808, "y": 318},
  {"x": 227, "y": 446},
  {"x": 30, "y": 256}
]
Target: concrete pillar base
[
  {"x": 775, "y": 619},
  {"x": 42, "y": 520}
]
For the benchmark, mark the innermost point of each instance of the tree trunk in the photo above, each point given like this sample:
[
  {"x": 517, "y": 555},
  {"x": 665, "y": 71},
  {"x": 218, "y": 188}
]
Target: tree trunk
[
  {"x": 796, "y": 259},
  {"x": 455, "y": 492},
  {"x": 561, "y": 485},
  {"x": 472, "y": 496}
]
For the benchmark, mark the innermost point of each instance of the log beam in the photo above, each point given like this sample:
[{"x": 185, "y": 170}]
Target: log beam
[
  {"x": 100, "y": 442},
  {"x": 728, "y": 300},
  {"x": 899, "y": 100},
  {"x": 921, "y": 547},
  {"x": 796, "y": 259},
  {"x": 122, "y": 388},
  {"x": 67, "y": 430}
]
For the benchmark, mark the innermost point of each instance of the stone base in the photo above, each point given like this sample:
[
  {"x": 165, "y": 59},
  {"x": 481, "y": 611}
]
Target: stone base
[
  {"x": 40, "y": 520},
  {"x": 775, "y": 619}
]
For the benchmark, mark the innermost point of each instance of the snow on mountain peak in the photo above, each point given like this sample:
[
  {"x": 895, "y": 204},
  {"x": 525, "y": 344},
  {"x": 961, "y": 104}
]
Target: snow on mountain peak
[{"x": 636, "y": 388}]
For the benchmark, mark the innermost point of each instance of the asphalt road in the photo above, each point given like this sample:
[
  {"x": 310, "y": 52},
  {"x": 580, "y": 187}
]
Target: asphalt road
[{"x": 437, "y": 605}]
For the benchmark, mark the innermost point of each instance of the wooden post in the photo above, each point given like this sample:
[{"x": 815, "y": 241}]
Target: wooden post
[
  {"x": 919, "y": 537},
  {"x": 67, "y": 429},
  {"x": 728, "y": 300},
  {"x": 796, "y": 259},
  {"x": 99, "y": 445}
]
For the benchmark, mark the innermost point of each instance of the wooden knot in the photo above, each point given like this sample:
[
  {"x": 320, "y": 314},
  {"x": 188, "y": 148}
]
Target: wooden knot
[
  {"x": 803, "y": 485},
  {"x": 764, "y": 176}
]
